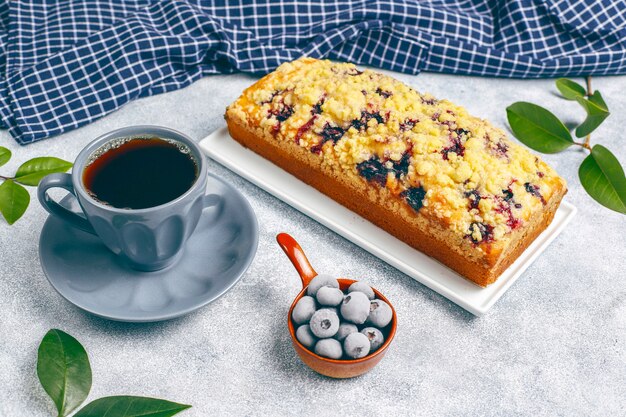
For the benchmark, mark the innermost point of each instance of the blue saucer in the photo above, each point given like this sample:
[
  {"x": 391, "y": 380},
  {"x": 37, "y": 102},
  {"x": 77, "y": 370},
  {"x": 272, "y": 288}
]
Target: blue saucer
[{"x": 91, "y": 277}]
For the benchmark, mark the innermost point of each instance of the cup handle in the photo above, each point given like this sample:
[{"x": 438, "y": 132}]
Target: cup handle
[{"x": 61, "y": 181}]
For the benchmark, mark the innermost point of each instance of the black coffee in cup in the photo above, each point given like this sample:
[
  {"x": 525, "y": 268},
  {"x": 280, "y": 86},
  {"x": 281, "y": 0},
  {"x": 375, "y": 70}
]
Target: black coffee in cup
[{"x": 138, "y": 173}]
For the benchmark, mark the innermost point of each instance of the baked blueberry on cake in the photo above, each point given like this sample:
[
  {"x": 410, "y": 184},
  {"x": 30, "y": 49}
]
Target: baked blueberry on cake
[{"x": 443, "y": 181}]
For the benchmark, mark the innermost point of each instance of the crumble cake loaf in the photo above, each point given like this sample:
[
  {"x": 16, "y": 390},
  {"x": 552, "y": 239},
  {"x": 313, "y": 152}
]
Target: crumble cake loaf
[{"x": 449, "y": 184}]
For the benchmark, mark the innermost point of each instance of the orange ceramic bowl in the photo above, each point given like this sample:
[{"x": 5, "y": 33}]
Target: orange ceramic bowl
[{"x": 334, "y": 368}]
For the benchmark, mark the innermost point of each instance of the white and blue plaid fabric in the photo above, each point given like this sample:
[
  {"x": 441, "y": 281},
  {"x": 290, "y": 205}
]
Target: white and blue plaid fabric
[{"x": 65, "y": 63}]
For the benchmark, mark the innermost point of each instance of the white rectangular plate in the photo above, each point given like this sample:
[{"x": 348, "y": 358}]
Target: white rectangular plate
[{"x": 223, "y": 149}]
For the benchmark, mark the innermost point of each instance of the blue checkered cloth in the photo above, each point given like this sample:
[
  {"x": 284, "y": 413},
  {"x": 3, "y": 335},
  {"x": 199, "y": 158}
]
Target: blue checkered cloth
[{"x": 65, "y": 63}]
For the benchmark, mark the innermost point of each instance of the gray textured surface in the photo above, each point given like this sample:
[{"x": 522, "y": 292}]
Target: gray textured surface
[{"x": 555, "y": 344}]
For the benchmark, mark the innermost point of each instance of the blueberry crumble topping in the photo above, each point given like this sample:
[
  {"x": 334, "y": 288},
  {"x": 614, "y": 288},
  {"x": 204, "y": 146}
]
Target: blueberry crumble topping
[
  {"x": 282, "y": 113},
  {"x": 534, "y": 190},
  {"x": 408, "y": 124},
  {"x": 373, "y": 170},
  {"x": 361, "y": 124},
  {"x": 462, "y": 132},
  {"x": 502, "y": 149},
  {"x": 507, "y": 195},
  {"x": 317, "y": 109},
  {"x": 487, "y": 188},
  {"x": 274, "y": 95},
  {"x": 414, "y": 197},
  {"x": 504, "y": 207},
  {"x": 305, "y": 128},
  {"x": 474, "y": 198},
  {"x": 332, "y": 133},
  {"x": 485, "y": 231},
  {"x": 401, "y": 167},
  {"x": 456, "y": 147},
  {"x": 383, "y": 93}
]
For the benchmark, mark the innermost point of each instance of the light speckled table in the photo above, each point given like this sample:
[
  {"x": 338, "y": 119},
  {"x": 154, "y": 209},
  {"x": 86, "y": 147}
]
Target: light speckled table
[{"x": 555, "y": 344}]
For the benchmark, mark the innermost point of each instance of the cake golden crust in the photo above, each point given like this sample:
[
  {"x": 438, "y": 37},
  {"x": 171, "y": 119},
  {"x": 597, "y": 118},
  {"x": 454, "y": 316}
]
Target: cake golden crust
[{"x": 470, "y": 247}]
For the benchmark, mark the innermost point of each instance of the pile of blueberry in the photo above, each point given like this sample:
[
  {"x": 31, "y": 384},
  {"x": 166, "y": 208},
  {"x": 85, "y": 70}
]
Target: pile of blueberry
[{"x": 337, "y": 325}]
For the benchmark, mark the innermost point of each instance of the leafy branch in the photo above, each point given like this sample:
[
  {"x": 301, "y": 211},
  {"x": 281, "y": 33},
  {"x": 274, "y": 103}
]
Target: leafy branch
[
  {"x": 600, "y": 173},
  {"x": 65, "y": 373},
  {"x": 14, "y": 198}
]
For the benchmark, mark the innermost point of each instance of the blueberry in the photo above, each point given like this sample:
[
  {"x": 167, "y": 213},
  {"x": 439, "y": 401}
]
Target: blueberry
[
  {"x": 508, "y": 194},
  {"x": 356, "y": 345},
  {"x": 462, "y": 132},
  {"x": 373, "y": 170},
  {"x": 344, "y": 330},
  {"x": 317, "y": 109},
  {"x": 485, "y": 231},
  {"x": 502, "y": 149},
  {"x": 333, "y": 133},
  {"x": 383, "y": 93},
  {"x": 305, "y": 336},
  {"x": 408, "y": 124},
  {"x": 380, "y": 313},
  {"x": 282, "y": 113},
  {"x": 361, "y": 123},
  {"x": 329, "y": 296},
  {"x": 456, "y": 147},
  {"x": 534, "y": 190},
  {"x": 362, "y": 287},
  {"x": 334, "y": 310},
  {"x": 304, "y": 309},
  {"x": 319, "y": 282},
  {"x": 474, "y": 198},
  {"x": 329, "y": 348},
  {"x": 414, "y": 197},
  {"x": 401, "y": 167},
  {"x": 324, "y": 323},
  {"x": 375, "y": 337},
  {"x": 355, "y": 307}
]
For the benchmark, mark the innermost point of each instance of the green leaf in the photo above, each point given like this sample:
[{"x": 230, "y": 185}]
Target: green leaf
[
  {"x": 602, "y": 176},
  {"x": 538, "y": 128},
  {"x": 5, "y": 155},
  {"x": 127, "y": 406},
  {"x": 14, "y": 200},
  {"x": 63, "y": 370},
  {"x": 569, "y": 89},
  {"x": 597, "y": 111},
  {"x": 32, "y": 171}
]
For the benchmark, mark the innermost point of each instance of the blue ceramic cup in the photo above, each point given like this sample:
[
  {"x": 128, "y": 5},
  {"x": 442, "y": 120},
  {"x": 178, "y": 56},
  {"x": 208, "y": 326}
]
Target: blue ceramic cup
[{"x": 148, "y": 239}]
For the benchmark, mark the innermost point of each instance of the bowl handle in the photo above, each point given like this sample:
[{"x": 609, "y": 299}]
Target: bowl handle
[{"x": 297, "y": 257}]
